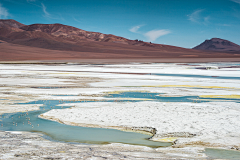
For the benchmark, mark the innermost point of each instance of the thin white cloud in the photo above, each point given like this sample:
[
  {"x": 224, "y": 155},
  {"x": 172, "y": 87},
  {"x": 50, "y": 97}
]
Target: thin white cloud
[
  {"x": 154, "y": 34},
  {"x": 135, "y": 28},
  {"x": 45, "y": 10},
  {"x": 3, "y": 12},
  {"x": 206, "y": 20},
  {"x": 51, "y": 16},
  {"x": 196, "y": 17},
  {"x": 76, "y": 20},
  {"x": 226, "y": 25},
  {"x": 236, "y": 1},
  {"x": 31, "y": 0}
]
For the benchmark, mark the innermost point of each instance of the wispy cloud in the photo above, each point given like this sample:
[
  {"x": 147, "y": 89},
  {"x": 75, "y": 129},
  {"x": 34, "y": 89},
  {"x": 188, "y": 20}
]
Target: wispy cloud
[
  {"x": 135, "y": 28},
  {"x": 76, "y": 20},
  {"x": 154, "y": 34},
  {"x": 44, "y": 8},
  {"x": 225, "y": 25},
  {"x": 197, "y": 17},
  {"x": 3, "y": 12},
  {"x": 206, "y": 19},
  {"x": 31, "y": 0},
  {"x": 51, "y": 16},
  {"x": 150, "y": 35},
  {"x": 236, "y": 1}
]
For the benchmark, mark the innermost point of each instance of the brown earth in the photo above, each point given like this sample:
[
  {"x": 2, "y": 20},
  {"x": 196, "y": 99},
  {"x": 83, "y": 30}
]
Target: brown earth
[
  {"x": 60, "y": 43},
  {"x": 14, "y": 52}
]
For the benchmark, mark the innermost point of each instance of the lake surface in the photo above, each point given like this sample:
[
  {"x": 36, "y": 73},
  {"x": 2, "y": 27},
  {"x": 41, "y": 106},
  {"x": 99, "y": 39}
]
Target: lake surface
[
  {"x": 160, "y": 97},
  {"x": 222, "y": 154},
  {"x": 196, "y": 76},
  {"x": 29, "y": 121}
]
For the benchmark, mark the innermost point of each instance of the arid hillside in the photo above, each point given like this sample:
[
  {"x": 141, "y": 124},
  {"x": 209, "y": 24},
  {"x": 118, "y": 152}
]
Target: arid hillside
[{"x": 58, "y": 42}]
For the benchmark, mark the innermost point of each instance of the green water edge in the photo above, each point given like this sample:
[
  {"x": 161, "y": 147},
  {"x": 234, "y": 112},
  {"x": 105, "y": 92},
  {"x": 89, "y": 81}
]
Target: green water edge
[
  {"x": 29, "y": 121},
  {"x": 222, "y": 154}
]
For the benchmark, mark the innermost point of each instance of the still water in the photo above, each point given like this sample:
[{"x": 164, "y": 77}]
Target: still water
[{"x": 29, "y": 121}]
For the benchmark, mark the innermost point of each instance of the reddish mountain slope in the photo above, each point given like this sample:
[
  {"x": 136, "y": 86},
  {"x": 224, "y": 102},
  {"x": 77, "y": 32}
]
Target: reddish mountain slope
[
  {"x": 66, "y": 42},
  {"x": 58, "y": 36}
]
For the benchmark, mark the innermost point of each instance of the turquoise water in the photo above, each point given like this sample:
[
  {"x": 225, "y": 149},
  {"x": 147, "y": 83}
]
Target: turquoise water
[
  {"x": 158, "y": 97},
  {"x": 29, "y": 121},
  {"x": 47, "y": 87},
  {"x": 66, "y": 95},
  {"x": 222, "y": 154},
  {"x": 196, "y": 76}
]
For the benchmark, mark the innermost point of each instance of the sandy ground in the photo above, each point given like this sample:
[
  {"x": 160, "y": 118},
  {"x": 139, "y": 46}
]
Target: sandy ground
[{"x": 205, "y": 124}]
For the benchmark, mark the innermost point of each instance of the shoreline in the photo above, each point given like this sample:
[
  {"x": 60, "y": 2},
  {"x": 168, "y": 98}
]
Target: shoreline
[
  {"x": 124, "y": 61},
  {"x": 34, "y": 145},
  {"x": 27, "y": 83},
  {"x": 143, "y": 130},
  {"x": 166, "y": 130}
]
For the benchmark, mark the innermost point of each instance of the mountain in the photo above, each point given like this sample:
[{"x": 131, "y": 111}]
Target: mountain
[
  {"x": 217, "y": 44},
  {"x": 39, "y": 35},
  {"x": 5, "y": 23},
  {"x": 63, "y": 37},
  {"x": 58, "y": 41}
]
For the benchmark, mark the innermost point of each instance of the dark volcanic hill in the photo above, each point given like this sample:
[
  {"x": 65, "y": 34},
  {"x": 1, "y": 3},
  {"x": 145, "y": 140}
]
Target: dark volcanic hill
[{"x": 217, "y": 44}]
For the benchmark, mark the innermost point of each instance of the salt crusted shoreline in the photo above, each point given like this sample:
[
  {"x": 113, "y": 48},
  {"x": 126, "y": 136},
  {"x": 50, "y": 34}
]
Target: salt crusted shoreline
[
  {"x": 211, "y": 124},
  {"x": 27, "y": 145},
  {"x": 206, "y": 124}
]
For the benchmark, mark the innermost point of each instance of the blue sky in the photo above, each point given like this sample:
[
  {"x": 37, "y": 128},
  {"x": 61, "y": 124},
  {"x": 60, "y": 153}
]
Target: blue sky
[{"x": 184, "y": 23}]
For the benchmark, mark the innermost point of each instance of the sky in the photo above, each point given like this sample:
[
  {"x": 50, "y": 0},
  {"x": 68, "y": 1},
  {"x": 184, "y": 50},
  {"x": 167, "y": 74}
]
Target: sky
[{"x": 183, "y": 23}]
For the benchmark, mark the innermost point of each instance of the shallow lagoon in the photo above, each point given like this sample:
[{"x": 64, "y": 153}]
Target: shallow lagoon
[
  {"x": 29, "y": 121},
  {"x": 222, "y": 154},
  {"x": 160, "y": 97},
  {"x": 205, "y": 81},
  {"x": 196, "y": 76}
]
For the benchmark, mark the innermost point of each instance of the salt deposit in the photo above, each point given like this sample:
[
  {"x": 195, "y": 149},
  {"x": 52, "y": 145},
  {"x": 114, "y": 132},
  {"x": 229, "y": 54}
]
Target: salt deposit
[{"x": 213, "y": 123}]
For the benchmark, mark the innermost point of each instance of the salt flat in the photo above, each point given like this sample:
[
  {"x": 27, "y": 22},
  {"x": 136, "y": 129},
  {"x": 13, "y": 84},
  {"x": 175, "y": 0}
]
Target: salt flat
[{"x": 212, "y": 123}]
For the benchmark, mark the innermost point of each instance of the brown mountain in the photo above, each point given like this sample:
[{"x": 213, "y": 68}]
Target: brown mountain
[
  {"x": 58, "y": 41},
  {"x": 61, "y": 37},
  {"x": 217, "y": 44}
]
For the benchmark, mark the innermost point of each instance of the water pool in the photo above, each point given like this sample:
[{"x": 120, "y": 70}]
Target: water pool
[
  {"x": 222, "y": 154},
  {"x": 29, "y": 121}
]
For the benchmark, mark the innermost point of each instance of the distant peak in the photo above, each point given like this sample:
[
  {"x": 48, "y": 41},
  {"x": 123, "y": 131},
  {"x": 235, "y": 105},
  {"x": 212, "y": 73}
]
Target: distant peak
[
  {"x": 217, "y": 39},
  {"x": 218, "y": 44}
]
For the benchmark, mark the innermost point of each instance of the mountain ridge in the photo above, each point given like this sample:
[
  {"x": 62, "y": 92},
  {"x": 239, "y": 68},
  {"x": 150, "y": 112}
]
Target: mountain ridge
[
  {"x": 66, "y": 34},
  {"x": 58, "y": 41}
]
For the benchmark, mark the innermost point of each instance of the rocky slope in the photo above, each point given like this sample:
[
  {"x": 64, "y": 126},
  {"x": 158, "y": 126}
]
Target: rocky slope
[{"x": 63, "y": 37}]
